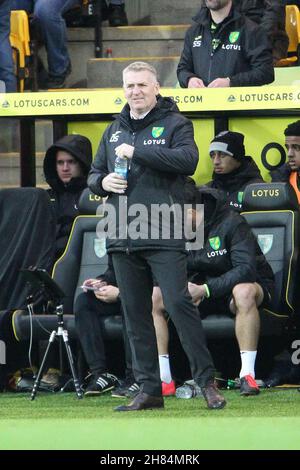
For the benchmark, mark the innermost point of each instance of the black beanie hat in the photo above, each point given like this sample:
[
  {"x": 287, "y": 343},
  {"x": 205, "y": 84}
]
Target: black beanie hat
[
  {"x": 231, "y": 143},
  {"x": 293, "y": 129}
]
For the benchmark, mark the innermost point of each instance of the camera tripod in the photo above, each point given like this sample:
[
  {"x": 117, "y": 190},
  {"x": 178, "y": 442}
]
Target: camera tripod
[{"x": 62, "y": 334}]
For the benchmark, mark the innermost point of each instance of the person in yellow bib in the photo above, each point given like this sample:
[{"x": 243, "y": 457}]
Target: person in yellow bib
[{"x": 290, "y": 171}]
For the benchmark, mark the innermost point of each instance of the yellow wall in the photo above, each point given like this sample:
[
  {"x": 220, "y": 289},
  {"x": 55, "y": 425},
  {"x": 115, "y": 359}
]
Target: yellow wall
[{"x": 259, "y": 132}]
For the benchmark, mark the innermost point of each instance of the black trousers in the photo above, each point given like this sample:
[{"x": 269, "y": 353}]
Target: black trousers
[
  {"x": 134, "y": 274},
  {"x": 88, "y": 312}
]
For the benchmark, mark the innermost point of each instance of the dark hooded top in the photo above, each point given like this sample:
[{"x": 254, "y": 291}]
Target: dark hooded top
[
  {"x": 234, "y": 183},
  {"x": 242, "y": 51},
  {"x": 65, "y": 196},
  {"x": 230, "y": 253}
]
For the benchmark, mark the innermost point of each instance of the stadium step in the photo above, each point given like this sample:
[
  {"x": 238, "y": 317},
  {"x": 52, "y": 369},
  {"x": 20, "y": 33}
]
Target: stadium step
[
  {"x": 173, "y": 11},
  {"x": 108, "y": 72},
  {"x": 129, "y": 41},
  {"x": 10, "y": 170}
]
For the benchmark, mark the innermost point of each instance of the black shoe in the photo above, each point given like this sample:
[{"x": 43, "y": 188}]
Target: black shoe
[
  {"x": 142, "y": 401},
  {"x": 126, "y": 390},
  {"x": 101, "y": 384},
  {"x": 58, "y": 81},
  {"x": 213, "y": 397},
  {"x": 117, "y": 15}
]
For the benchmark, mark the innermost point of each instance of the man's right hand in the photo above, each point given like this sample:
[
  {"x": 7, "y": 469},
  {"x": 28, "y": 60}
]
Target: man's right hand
[
  {"x": 114, "y": 183},
  {"x": 195, "y": 82}
]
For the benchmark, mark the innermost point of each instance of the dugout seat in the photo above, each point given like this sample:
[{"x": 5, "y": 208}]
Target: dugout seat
[
  {"x": 292, "y": 27},
  {"x": 85, "y": 256},
  {"x": 27, "y": 238},
  {"x": 272, "y": 211}
]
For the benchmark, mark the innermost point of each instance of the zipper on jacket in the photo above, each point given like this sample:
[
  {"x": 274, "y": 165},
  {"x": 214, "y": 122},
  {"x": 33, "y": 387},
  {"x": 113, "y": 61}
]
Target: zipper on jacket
[{"x": 129, "y": 164}]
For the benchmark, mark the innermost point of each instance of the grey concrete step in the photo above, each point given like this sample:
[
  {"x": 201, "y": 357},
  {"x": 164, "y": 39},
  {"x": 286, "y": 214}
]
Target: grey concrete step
[
  {"x": 10, "y": 170},
  {"x": 173, "y": 11},
  {"x": 107, "y": 73},
  {"x": 137, "y": 41}
]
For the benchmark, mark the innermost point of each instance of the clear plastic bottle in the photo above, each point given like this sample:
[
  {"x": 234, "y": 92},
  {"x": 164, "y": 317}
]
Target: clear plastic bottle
[
  {"x": 121, "y": 166},
  {"x": 185, "y": 391},
  {"x": 189, "y": 389}
]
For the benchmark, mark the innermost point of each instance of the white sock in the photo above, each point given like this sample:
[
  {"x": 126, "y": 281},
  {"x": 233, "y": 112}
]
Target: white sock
[
  {"x": 164, "y": 367},
  {"x": 248, "y": 363}
]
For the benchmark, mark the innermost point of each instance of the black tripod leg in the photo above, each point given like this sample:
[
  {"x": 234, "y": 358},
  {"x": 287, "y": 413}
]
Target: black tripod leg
[
  {"x": 39, "y": 375},
  {"x": 71, "y": 363}
]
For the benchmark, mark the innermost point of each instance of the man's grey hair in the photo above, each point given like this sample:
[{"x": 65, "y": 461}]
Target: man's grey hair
[{"x": 140, "y": 66}]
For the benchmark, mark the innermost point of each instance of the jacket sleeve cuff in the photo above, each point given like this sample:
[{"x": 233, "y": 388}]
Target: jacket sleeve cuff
[{"x": 207, "y": 292}]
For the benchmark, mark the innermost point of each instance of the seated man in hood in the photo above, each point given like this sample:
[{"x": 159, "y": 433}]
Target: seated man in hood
[
  {"x": 66, "y": 166},
  {"x": 233, "y": 171}
]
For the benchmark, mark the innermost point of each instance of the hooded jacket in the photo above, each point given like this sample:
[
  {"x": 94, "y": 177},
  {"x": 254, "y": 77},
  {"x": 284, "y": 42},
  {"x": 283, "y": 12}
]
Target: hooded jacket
[
  {"x": 164, "y": 151},
  {"x": 65, "y": 197},
  {"x": 230, "y": 253},
  {"x": 242, "y": 52},
  {"x": 234, "y": 183}
]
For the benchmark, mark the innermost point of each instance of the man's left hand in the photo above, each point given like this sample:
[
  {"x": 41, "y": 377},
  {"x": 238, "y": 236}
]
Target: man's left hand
[
  {"x": 197, "y": 292},
  {"x": 108, "y": 294},
  {"x": 124, "y": 150},
  {"x": 219, "y": 83}
]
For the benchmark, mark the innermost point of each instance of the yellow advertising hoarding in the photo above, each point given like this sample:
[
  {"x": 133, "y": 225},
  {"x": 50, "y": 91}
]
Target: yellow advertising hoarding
[
  {"x": 264, "y": 140},
  {"x": 109, "y": 101}
]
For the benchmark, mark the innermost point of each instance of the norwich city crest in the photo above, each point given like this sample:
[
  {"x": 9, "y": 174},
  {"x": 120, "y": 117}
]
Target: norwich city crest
[
  {"x": 240, "y": 197},
  {"x": 157, "y": 131},
  {"x": 233, "y": 37},
  {"x": 215, "y": 243}
]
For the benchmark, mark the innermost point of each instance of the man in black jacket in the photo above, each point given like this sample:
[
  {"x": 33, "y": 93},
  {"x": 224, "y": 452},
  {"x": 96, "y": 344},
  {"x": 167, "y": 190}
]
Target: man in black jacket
[
  {"x": 230, "y": 272},
  {"x": 158, "y": 143},
  {"x": 224, "y": 49},
  {"x": 233, "y": 171},
  {"x": 66, "y": 166}
]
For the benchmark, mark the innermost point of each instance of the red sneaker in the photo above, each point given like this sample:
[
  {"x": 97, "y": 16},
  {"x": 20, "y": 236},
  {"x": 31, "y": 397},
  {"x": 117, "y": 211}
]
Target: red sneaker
[
  {"x": 248, "y": 386},
  {"x": 168, "y": 390}
]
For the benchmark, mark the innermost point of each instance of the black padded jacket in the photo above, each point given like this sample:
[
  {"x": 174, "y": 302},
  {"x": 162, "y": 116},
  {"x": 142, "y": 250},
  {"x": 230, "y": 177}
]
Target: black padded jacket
[
  {"x": 242, "y": 52},
  {"x": 233, "y": 184},
  {"x": 164, "y": 152},
  {"x": 230, "y": 254}
]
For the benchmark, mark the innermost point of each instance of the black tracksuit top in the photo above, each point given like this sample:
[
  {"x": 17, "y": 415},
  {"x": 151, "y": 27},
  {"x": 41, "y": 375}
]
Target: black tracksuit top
[
  {"x": 164, "y": 153},
  {"x": 230, "y": 255},
  {"x": 233, "y": 184},
  {"x": 243, "y": 53}
]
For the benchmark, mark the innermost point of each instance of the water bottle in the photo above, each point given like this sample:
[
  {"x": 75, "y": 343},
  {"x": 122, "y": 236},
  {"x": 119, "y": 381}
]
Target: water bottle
[
  {"x": 121, "y": 166},
  {"x": 189, "y": 389},
  {"x": 185, "y": 391}
]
